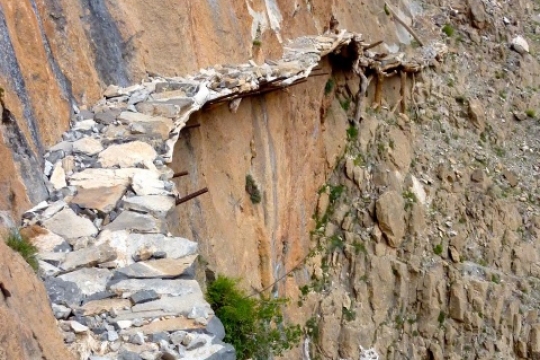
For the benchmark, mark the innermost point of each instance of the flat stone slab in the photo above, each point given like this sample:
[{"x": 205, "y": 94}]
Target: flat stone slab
[
  {"x": 127, "y": 155},
  {"x": 143, "y": 185},
  {"x": 128, "y": 117},
  {"x": 158, "y": 205},
  {"x": 87, "y": 146},
  {"x": 98, "y": 307},
  {"x": 58, "y": 176},
  {"x": 103, "y": 199},
  {"x": 63, "y": 292},
  {"x": 169, "y": 325},
  {"x": 127, "y": 245},
  {"x": 143, "y": 296},
  {"x": 162, "y": 268},
  {"x": 70, "y": 226},
  {"x": 181, "y": 305},
  {"x": 89, "y": 280},
  {"x": 129, "y": 220},
  {"x": 177, "y": 288},
  {"x": 95, "y": 178},
  {"x": 46, "y": 241},
  {"x": 89, "y": 256}
]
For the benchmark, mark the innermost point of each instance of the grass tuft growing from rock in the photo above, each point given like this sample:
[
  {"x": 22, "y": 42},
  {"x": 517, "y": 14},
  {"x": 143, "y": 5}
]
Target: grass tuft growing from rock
[{"x": 22, "y": 245}]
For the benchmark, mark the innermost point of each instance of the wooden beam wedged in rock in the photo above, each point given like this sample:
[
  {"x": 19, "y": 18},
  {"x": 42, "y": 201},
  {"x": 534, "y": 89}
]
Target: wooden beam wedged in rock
[
  {"x": 180, "y": 174},
  {"x": 191, "y": 196}
]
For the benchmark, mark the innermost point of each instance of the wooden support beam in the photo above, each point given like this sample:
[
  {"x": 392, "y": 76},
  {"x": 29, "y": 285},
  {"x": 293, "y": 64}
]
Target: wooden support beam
[
  {"x": 403, "y": 91},
  {"x": 191, "y": 196},
  {"x": 180, "y": 174},
  {"x": 370, "y": 46}
]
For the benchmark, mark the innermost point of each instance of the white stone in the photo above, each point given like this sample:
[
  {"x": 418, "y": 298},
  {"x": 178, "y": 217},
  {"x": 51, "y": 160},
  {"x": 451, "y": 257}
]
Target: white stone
[
  {"x": 520, "y": 44},
  {"x": 89, "y": 280},
  {"x": 127, "y": 245},
  {"x": 53, "y": 209},
  {"x": 124, "y": 324},
  {"x": 158, "y": 205},
  {"x": 58, "y": 176},
  {"x": 77, "y": 327},
  {"x": 177, "y": 288},
  {"x": 130, "y": 220},
  {"x": 48, "y": 168},
  {"x": 143, "y": 185},
  {"x": 46, "y": 242},
  {"x": 88, "y": 146},
  {"x": 70, "y": 226},
  {"x": 94, "y": 178},
  {"x": 84, "y": 125},
  {"x": 127, "y": 155}
]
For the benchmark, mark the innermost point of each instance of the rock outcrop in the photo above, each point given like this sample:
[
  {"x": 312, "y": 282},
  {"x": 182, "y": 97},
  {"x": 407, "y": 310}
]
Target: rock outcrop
[{"x": 28, "y": 325}]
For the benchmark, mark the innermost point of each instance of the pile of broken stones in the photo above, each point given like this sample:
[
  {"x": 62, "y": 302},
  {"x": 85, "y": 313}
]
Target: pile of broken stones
[{"x": 121, "y": 286}]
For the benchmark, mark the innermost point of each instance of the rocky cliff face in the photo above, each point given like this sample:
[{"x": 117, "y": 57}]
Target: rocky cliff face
[
  {"x": 29, "y": 330},
  {"x": 427, "y": 249}
]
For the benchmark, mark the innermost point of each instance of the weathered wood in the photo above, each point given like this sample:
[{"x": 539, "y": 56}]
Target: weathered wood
[
  {"x": 370, "y": 46},
  {"x": 403, "y": 91},
  {"x": 180, "y": 174},
  {"x": 404, "y": 24},
  {"x": 191, "y": 196}
]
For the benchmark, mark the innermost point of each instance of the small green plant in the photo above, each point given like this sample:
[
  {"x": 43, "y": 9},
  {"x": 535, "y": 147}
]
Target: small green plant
[
  {"x": 345, "y": 104},
  {"x": 359, "y": 160},
  {"x": 312, "y": 328},
  {"x": 257, "y": 42},
  {"x": 441, "y": 318},
  {"x": 352, "y": 133},
  {"x": 335, "y": 243},
  {"x": 253, "y": 190},
  {"x": 359, "y": 248},
  {"x": 23, "y": 246},
  {"x": 335, "y": 192},
  {"x": 530, "y": 113},
  {"x": 438, "y": 249},
  {"x": 348, "y": 314},
  {"x": 499, "y": 151},
  {"x": 448, "y": 30},
  {"x": 410, "y": 199},
  {"x": 255, "y": 327},
  {"x": 304, "y": 290},
  {"x": 329, "y": 86},
  {"x": 495, "y": 278}
]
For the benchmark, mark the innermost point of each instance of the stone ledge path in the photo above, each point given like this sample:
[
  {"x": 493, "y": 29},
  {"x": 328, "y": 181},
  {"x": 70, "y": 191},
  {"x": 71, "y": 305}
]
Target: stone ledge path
[{"x": 120, "y": 285}]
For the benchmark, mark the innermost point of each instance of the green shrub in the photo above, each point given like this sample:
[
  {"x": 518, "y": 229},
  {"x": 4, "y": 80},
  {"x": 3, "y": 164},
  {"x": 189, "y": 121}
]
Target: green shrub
[
  {"x": 329, "y": 86},
  {"x": 21, "y": 245},
  {"x": 345, "y": 104},
  {"x": 448, "y": 30},
  {"x": 438, "y": 249},
  {"x": 253, "y": 190},
  {"x": 352, "y": 133},
  {"x": 255, "y": 327},
  {"x": 257, "y": 42},
  {"x": 530, "y": 113}
]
